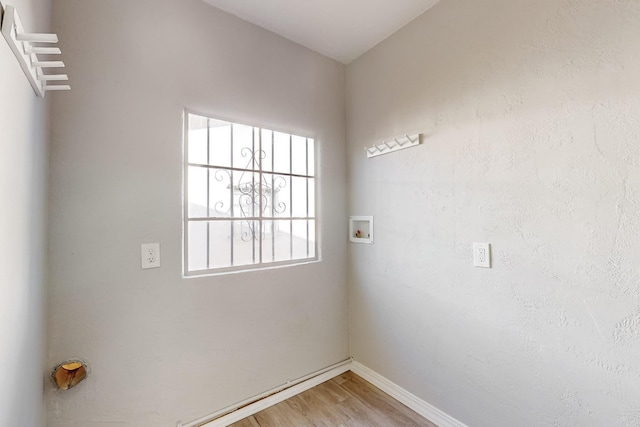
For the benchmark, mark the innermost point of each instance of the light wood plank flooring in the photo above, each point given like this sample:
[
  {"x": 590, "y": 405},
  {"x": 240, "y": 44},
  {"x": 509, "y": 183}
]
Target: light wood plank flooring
[{"x": 344, "y": 401}]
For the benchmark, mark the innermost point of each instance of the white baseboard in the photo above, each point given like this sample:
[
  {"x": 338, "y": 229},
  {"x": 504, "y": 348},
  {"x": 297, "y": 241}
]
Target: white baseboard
[
  {"x": 280, "y": 396},
  {"x": 418, "y": 405}
]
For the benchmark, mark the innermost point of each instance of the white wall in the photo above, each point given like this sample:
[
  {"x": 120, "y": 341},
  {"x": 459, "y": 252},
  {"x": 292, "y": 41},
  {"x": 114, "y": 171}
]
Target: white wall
[
  {"x": 162, "y": 348},
  {"x": 23, "y": 183},
  {"x": 530, "y": 110}
]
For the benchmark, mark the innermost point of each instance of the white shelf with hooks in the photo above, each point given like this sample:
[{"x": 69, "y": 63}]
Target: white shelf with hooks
[
  {"x": 27, "y": 46},
  {"x": 395, "y": 144}
]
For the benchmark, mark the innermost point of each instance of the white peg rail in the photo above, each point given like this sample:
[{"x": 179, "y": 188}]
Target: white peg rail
[
  {"x": 25, "y": 46},
  {"x": 395, "y": 144}
]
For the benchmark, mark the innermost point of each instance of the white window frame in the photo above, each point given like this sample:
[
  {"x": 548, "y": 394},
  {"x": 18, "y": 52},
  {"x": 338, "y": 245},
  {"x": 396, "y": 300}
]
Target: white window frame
[{"x": 261, "y": 264}]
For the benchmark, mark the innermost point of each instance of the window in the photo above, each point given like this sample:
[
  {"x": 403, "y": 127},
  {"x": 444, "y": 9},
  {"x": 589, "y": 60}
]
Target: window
[{"x": 249, "y": 197}]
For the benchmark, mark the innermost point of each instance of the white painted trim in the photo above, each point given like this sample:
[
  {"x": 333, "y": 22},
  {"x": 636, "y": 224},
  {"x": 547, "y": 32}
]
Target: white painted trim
[
  {"x": 418, "y": 405},
  {"x": 242, "y": 410},
  {"x": 269, "y": 398}
]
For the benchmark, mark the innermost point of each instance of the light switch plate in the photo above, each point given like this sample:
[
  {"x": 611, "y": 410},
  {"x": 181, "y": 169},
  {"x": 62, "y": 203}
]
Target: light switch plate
[
  {"x": 150, "y": 253},
  {"x": 482, "y": 255}
]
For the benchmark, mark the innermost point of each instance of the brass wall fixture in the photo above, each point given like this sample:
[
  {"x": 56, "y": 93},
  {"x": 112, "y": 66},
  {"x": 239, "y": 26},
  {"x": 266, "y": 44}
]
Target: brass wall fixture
[{"x": 69, "y": 374}]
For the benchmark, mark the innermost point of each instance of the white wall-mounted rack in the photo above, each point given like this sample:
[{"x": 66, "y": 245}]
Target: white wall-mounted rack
[
  {"x": 27, "y": 46},
  {"x": 395, "y": 144}
]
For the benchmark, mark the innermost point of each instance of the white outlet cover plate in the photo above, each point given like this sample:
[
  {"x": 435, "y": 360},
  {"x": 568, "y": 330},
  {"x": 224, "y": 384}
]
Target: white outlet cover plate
[
  {"x": 150, "y": 255},
  {"x": 482, "y": 255}
]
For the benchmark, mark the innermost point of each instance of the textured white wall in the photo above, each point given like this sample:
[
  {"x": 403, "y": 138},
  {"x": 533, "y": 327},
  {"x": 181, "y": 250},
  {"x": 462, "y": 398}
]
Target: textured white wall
[
  {"x": 23, "y": 185},
  {"x": 162, "y": 348},
  {"x": 530, "y": 110}
]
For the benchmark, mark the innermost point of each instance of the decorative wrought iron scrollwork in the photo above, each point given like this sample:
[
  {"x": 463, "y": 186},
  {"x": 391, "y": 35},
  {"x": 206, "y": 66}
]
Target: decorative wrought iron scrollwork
[
  {"x": 220, "y": 205},
  {"x": 279, "y": 183},
  {"x": 251, "y": 196}
]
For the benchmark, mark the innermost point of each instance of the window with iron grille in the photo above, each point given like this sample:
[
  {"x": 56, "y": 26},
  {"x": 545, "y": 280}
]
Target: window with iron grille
[{"x": 249, "y": 197}]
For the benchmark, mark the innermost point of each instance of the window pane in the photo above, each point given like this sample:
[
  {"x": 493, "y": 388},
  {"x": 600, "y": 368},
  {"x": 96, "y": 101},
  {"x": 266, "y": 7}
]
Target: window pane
[
  {"x": 299, "y": 239},
  {"x": 312, "y": 156},
  {"x": 300, "y": 199},
  {"x": 244, "y": 151},
  {"x": 267, "y": 148},
  {"x": 248, "y": 186},
  {"x": 299, "y": 155},
  {"x": 282, "y": 153},
  {"x": 268, "y": 242},
  {"x": 197, "y": 194},
  {"x": 219, "y": 143},
  {"x": 282, "y": 239},
  {"x": 219, "y": 244},
  {"x": 197, "y": 249},
  {"x": 277, "y": 195},
  {"x": 312, "y": 238},
  {"x": 311, "y": 186},
  {"x": 197, "y": 139},
  {"x": 220, "y": 201},
  {"x": 245, "y": 247}
]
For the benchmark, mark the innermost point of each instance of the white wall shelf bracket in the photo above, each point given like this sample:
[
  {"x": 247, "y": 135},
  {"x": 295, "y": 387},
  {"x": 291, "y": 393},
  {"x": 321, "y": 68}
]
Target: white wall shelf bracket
[
  {"x": 395, "y": 144},
  {"x": 26, "y": 48}
]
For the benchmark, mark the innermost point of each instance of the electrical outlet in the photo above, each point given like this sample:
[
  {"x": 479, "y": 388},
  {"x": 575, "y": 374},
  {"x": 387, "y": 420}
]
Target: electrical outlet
[
  {"x": 150, "y": 255},
  {"x": 482, "y": 255}
]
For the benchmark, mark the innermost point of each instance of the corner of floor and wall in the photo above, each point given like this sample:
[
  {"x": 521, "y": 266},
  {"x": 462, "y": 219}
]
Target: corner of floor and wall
[{"x": 528, "y": 111}]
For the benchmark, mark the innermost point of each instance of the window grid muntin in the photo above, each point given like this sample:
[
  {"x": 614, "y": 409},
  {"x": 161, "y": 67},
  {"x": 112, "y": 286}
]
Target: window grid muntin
[{"x": 261, "y": 219}]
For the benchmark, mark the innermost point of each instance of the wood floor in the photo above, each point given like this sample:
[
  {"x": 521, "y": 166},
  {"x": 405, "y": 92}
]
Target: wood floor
[{"x": 345, "y": 401}]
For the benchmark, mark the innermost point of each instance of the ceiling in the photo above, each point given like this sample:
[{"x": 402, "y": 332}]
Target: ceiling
[{"x": 339, "y": 29}]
